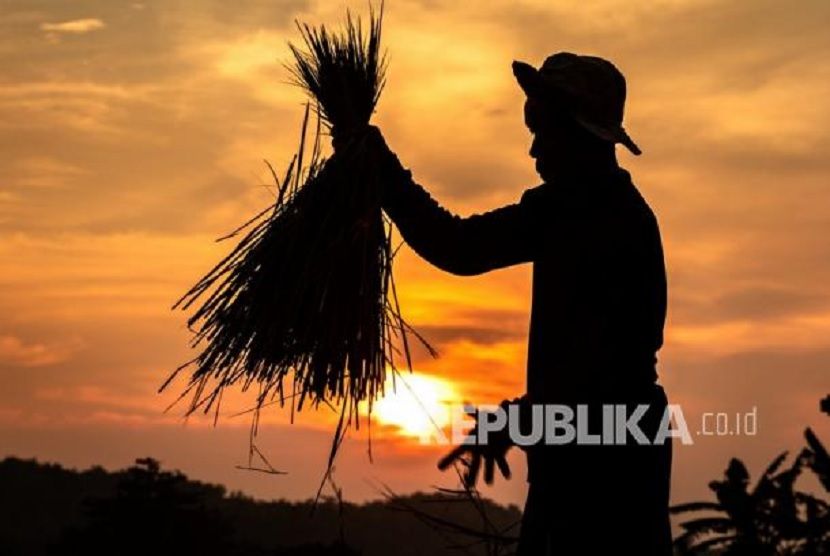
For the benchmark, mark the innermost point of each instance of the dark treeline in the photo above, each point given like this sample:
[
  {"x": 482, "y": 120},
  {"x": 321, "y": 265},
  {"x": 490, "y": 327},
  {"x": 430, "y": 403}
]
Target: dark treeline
[{"x": 46, "y": 509}]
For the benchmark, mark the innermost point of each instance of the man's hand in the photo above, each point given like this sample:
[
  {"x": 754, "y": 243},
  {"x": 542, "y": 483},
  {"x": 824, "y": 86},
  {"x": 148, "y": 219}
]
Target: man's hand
[
  {"x": 341, "y": 139},
  {"x": 371, "y": 139},
  {"x": 471, "y": 454}
]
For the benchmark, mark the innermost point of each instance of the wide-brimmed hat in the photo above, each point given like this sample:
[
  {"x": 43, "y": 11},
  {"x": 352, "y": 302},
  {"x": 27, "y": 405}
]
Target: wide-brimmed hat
[{"x": 589, "y": 88}]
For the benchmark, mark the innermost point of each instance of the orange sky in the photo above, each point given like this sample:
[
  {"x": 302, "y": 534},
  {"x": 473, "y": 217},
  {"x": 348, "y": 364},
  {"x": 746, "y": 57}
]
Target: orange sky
[{"x": 132, "y": 134}]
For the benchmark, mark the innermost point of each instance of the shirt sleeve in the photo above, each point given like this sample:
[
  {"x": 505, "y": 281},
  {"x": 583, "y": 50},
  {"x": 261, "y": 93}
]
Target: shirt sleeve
[{"x": 464, "y": 246}]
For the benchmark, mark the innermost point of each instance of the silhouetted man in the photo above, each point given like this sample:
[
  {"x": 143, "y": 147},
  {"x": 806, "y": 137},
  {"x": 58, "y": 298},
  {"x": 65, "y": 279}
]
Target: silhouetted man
[{"x": 599, "y": 305}]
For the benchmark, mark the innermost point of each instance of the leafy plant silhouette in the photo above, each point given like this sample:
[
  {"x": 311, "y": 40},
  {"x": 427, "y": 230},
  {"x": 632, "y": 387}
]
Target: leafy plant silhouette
[{"x": 770, "y": 519}]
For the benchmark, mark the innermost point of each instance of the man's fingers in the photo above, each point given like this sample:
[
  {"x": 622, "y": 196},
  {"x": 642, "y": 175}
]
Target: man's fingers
[
  {"x": 343, "y": 138},
  {"x": 450, "y": 458},
  {"x": 472, "y": 473},
  {"x": 489, "y": 470},
  {"x": 503, "y": 467}
]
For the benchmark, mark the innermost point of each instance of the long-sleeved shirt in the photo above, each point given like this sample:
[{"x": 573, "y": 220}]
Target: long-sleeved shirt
[{"x": 599, "y": 281}]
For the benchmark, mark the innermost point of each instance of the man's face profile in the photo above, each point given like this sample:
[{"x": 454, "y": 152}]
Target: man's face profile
[{"x": 558, "y": 139}]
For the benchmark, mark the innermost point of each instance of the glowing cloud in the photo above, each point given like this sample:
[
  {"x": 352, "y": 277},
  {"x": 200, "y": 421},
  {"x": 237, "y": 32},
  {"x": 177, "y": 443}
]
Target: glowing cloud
[{"x": 76, "y": 26}]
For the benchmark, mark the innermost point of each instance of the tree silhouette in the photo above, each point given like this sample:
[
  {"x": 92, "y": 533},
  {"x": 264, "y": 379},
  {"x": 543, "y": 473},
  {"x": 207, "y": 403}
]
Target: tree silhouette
[
  {"x": 771, "y": 519},
  {"x": 750, "y": 521},
  {"x": 817, "y": 511},
  {"x": 153, "y": 512}
]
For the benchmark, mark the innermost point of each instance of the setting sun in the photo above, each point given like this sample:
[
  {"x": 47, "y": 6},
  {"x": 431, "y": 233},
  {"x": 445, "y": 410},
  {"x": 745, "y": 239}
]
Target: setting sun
[{"x": 415, "y": 404}]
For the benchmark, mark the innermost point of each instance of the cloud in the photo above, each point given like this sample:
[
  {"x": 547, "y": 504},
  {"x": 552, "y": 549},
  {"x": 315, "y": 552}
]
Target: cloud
[
  {"x": 440, "y": 334},
  {"x": 752, "y": 303},
  {"x": 45, "y": 172},
  {"x": 75, "y": 26},
  {"x": 15, "y": 351}
]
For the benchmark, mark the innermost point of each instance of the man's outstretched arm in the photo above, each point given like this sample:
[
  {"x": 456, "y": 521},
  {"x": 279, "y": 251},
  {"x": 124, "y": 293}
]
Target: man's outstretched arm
[{"x": 463, "y": 246}]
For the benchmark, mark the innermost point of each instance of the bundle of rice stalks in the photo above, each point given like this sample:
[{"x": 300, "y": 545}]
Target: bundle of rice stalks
[{"x": 304, "y": 308}]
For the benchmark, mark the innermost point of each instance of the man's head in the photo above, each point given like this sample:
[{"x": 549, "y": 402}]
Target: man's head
[{"x": 574, "y": 108}]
